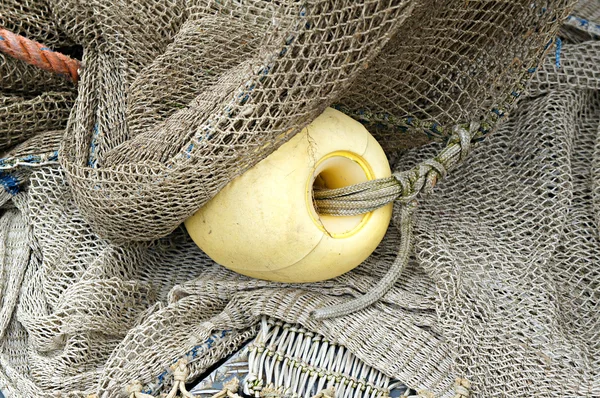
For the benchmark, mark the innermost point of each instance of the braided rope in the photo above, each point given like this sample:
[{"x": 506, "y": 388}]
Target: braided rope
[
  {"x": 357, "y": 199},
  {"x": 38, "y": 55},
  {"x": 405, "y": 225},
  {"x": 403, "y": 187}
]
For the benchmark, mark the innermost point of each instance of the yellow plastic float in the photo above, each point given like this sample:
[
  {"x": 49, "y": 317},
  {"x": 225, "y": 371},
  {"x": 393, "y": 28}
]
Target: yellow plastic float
[{"x": 263, "y": 223}]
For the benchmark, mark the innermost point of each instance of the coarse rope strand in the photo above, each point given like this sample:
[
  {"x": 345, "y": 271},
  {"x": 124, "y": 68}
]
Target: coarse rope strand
[
  {"x": 405, "y": 225},
  {"x": 37, "y": 54},
  {"x": 402, "y": 187},
  {"x": 362, "y": 198}
]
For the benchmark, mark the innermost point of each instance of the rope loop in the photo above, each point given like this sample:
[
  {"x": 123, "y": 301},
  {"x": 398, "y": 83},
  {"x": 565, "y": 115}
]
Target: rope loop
[
  {"x": 464, "y": 137},
  {"x": 134, "y": 390},
  {"x": 230, "y": 389},
  {"x": 180, "y": 373},
  {"x": 404, "y": 187},
  {"x": 405, "y": 225}
]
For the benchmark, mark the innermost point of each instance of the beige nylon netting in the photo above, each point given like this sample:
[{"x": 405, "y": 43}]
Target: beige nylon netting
[{"x": 100, "y": 286}]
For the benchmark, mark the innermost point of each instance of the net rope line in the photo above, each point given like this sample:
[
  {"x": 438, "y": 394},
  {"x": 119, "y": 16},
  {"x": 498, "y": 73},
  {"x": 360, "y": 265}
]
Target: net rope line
[
  {"x": 299, "y": 363},
  {"x": 295, "y": 362},
  {"x": 510, "y": 222},
  {"x": 404, "y": 187},
  {"x": 38, "y": 55}
]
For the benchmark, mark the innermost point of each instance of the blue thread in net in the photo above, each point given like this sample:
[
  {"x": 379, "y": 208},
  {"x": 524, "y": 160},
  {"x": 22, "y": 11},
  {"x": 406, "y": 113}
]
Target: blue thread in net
[
  {"x": 192, "y": 354},
  {"x": 498, "y": 112},
  {"x": 92, "y": 161},
  {"x": 188, "y": 151},
  {"x": 28, "y": 160},
  {"x": 590, "y": 27},
  {"x": 10, "y": 183},
  {"x": 558, "y": 49}
]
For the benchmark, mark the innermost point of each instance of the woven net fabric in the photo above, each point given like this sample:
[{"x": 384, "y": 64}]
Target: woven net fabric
[
  {"x": 101, "y": 287},
  {"x": 177, "y": 98}
]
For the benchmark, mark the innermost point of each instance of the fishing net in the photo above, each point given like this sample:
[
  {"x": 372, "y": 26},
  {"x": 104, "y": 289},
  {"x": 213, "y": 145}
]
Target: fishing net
[{"x": 101, "y": 287}]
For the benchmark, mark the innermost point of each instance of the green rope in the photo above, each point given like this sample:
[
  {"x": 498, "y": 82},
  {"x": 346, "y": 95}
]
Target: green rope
[{"x": 405, "y": 186}]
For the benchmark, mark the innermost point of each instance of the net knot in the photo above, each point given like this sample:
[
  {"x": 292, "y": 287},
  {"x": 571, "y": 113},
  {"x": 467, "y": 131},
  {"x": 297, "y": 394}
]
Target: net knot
[
  {"x": 230, "y": 389},
  {"x": 271, "y": 391},
  {"x": 463, "y": 137},
  {"x": 180, "y": 373},
  {"x": 462, "y": 388},
  {"x": 134, "y": 390},
  {"x": 425, "y": 394},
  {"x": 329, "y": 392}
]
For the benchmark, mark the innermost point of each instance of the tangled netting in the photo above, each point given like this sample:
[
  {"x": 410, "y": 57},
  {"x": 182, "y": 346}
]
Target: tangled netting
[{"x": 102, "y": 290}]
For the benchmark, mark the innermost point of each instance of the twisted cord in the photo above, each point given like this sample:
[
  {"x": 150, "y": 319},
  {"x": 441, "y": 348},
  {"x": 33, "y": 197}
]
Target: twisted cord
[
  {"x": 404, "y": 187},
  {"x": 405, "y": 225},
  {"x": 38, "y": 55},
  {"x": 134, "y": 390},
  {"x": 180, "y": 374},
  {"x": 230, "y": 389}
]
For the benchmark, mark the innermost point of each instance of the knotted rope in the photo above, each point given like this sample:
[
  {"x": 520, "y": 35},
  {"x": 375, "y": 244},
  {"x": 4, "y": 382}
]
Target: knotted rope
[
  {"x": 38, "y": 55},
  {"x": 403, "y": 187},
  {"x": 329, "y": 392},
  {"x": 462, "y": 387},
  {"x": 134, "y": 390},
  {"x": 180, "y": 373},
  {"x": 230, "y": 389}
]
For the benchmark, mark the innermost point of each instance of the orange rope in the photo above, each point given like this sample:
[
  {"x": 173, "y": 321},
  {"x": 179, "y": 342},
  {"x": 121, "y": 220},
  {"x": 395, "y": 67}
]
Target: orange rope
[{"x": 38, "y": 55}]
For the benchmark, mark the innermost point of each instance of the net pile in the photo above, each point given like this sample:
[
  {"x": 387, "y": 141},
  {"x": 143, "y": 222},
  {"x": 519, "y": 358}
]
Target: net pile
[{"x": 101, "y": 287}]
